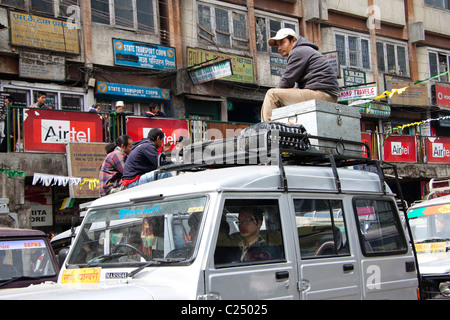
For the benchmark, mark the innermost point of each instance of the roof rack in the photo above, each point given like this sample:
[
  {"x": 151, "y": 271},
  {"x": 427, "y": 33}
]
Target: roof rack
[{"x": 276, "y": 144}]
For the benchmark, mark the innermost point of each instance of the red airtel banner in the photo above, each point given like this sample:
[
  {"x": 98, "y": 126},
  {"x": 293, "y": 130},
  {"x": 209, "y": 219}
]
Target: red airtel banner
[
  {"x": 50, "y": 130},
  {"x": 398, "y": 148},
  {"x": 438, "y": 150},
  {"x": 138, "y": 128}
]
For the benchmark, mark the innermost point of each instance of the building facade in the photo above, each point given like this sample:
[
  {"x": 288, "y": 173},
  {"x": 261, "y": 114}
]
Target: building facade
[{"x": 143, "y": 52}]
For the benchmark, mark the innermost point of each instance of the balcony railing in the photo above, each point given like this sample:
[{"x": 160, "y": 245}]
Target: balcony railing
[{"x": 37, "y": 130}]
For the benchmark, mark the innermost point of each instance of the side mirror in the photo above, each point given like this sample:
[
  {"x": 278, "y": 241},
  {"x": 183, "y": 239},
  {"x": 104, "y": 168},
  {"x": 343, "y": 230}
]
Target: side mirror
[{"x": 62, "y": 255}]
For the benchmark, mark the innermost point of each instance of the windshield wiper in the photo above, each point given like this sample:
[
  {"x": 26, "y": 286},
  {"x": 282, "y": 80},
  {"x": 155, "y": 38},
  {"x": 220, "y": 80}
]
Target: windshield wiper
[
  {"x": 19, "y": 278},
  {"x": 106, "y": 257},
  {"x": 156, "y": 261}
]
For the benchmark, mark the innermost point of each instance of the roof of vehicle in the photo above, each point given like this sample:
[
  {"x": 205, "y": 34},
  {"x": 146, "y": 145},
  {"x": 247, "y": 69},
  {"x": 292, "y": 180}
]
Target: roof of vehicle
[
  {"x": 431, "y": 202},
  {"x": 12, "y": 232},
  {"x": 251, "y": 178},
  {"x": 433, "y": 206}
]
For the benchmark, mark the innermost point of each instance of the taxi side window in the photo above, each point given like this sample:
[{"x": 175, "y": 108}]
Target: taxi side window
[
  {"x": 321, "y": 228},
  {"x": 379, "y": 227},
  {"x": 250, "y": 233}
]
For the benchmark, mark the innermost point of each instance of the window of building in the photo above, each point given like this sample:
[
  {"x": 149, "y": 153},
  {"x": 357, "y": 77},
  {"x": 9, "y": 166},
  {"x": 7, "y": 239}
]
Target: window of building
[
  {"x": 380, "y": 230},
  {"x": 321, "y": 228},
  {"x": 267, "y": 27},
  {"x": 44, "y": 6},
  {"x": 392, "y": 58},
  {"x": 129, "y": 14},
  {"x": 354, "y": 51},
  {"x": 439, "y": 63},
  {"x": 249, "y": 233},
  {"x": 443, "y": 4},
  {"x": 225, "y": 27}
]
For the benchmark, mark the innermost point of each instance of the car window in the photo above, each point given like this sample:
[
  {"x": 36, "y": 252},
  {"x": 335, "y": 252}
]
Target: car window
[
  {"x": 136, "y": 233},
  {"x": 249, "y": 233},
  {"x": 380, "y": 230},
  {"x": 25, "y": 257},
  {"x": 321, "y": 228}
]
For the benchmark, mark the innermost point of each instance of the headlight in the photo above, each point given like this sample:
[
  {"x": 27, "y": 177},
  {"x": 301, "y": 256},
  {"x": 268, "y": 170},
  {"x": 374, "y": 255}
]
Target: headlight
[{"x": 444, "y": 288}]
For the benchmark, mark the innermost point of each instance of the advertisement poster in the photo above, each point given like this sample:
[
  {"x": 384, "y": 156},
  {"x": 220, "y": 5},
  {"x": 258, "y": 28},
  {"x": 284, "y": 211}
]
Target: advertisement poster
[
  {"x": 84, "y": 160},
  {"x": 50, "y": 130},
  {"x": 442, "y": 96},
  {"x": 138, "y": 128},
  {"x": 398, "y": 148},
  {"x": 438, "y": 150}
]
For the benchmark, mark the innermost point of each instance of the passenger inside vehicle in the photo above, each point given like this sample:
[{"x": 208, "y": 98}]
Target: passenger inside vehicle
[{"x": 247, "y": 234}]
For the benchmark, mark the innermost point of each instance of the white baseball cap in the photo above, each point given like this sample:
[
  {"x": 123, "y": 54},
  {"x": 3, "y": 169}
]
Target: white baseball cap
[
  {"x": 120, "y": 104},
  {"x": 281, "y": 34}
]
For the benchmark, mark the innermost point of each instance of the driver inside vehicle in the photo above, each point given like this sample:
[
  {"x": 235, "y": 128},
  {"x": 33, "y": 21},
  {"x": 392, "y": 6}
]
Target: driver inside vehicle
[
  {"x": 443, "y": 225},
  {"x": 187, "y": 250}
]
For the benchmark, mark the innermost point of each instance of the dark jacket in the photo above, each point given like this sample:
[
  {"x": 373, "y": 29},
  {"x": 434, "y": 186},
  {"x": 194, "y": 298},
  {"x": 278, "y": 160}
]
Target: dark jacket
[
  {"x": 307, "y": 68},
  {"x": 143, "y": 158}
]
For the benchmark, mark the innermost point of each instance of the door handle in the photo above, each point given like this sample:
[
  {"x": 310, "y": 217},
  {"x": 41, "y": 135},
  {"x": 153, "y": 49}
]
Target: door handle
[
  {"x": 282, "y": 275},
  {"x": 348, "y": 267}
]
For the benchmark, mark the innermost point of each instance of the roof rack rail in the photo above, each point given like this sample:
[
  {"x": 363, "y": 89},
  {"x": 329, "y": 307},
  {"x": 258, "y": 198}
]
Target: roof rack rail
[
  {"x": 279, "y": 144},
  {"x": 290, "y": 143}
]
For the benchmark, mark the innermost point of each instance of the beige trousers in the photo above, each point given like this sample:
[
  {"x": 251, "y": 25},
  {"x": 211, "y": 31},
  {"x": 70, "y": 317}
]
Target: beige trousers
[{"x": 277, "y": 98}]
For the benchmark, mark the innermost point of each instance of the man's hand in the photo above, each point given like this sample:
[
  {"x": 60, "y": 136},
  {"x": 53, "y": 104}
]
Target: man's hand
[{"x": 166, "y": 147}]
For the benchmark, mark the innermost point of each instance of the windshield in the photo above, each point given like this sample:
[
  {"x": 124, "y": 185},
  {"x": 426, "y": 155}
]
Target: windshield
[
  {"x": 137, "y": 233},
  {"x": 430, "y": 227},
  {"x": 25, "y": 258}
]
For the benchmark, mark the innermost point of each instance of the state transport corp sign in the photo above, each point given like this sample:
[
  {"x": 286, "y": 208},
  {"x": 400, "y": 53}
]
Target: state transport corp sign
[{"x": 33, "y": 31}]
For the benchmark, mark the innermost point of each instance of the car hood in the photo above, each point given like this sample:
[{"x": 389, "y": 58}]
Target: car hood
[
  {"x": 434, "y": 263},
  {"x": 133, "y": 290}
]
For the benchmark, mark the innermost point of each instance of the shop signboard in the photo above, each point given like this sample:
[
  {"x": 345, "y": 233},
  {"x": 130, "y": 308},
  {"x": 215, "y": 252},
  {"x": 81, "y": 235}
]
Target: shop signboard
[
  {"x": 43, "y": 33},
  {"x": 414, "y": 95},
  {"x": 354, "y": 78},
  {"x": 333, "y": 59},
  {"x": 42, "y": 66},
  {"x": 399, "y": 148},
  {"x": 40, "y": 199},
  {"x": 363, "y": 92},
  {"x": 143, "y": 55},
  {"x": 138, "y": 128},
  {"x": 211, "y": 72},
  {"x": 117, "y": 91},
  {"x": 50, "y": 130},
  {"x": 242, "y": 66},
  {"x": 438, "y": 150}
]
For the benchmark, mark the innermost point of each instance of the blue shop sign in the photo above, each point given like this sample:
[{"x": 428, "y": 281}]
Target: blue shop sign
[
  {"x": 143, "y": 55},
  {"x": 116, "y": 91}
]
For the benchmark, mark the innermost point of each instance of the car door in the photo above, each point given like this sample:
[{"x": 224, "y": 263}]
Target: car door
[
  {"x": 263, "y": 269},
  {"x": 388, "y": 265},
  {"x": 327, "y": 264}
]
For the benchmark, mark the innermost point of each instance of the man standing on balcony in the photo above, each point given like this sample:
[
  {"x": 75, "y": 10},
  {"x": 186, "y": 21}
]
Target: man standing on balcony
[
  {"x": 308, "y": 74},
  {"x": 41, "y": 99}
]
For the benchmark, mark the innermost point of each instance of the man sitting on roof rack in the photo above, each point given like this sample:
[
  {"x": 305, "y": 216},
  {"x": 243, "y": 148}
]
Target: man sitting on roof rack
[
  {"x": 308, "y": 74},
  {"x": 143, "y": 160}
]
